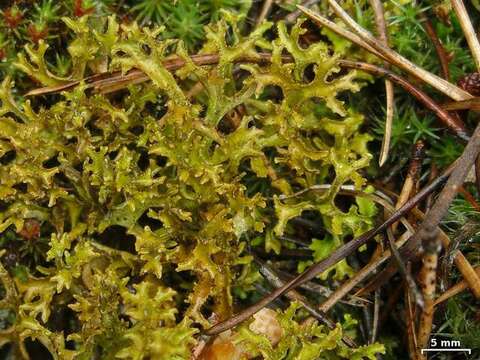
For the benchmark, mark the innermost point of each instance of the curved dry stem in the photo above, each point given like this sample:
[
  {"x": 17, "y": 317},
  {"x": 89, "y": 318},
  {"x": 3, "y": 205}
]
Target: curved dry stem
[
  {"x": 410, "y": 282},
  {"x": 471, "y": 104},
  {"x": 109, "y": 82},
  {"x": 388, "y": 123},
  {"x": 267, "y": 5},
  {"x": 441, "y": 52}
]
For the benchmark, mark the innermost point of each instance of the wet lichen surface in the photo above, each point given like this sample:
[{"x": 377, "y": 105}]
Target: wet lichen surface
[{"x": 159, "y": 184}]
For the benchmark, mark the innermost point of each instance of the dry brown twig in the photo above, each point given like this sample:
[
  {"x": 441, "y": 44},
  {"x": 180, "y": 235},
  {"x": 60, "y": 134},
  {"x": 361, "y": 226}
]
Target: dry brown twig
[
  {"x": 410, "y": 321},
  {"x": 267, "y": 5},
  {"x": 433, "y": 174},
  {"x": 396, "y": 59},
  {"x": 376, "y": 316},
  {"x": 343, "y": 290},
  {"x": 470, "y": 198},
  {"x": 442, "y": 54},
  {"x": 109, "y": 82},
  {"x": 346, "y": 287},
  {"x": 326, "y": 291},
  {"x": 472, "y": 104},
  {"x": 402, "y": 268},
  {"x": 413, "y": 173}
]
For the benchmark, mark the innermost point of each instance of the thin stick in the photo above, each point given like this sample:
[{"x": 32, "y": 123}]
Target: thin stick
[
  {"x": 477, "y": 173},
  {"x": 366, "y": 324},
  {"x": 383, "y": 37},
  {"x": 403, "y": 270},
  {"x": 393, "y": 57},
  {"x": 376, "y": 316},
  {"x": 267, "y": 5},
  {"x": 410, "y": 321},
  {"x": 437, "y": 82},
  {"x": 354, "y": 38},
  {"x": 455, "y": 289},
  {"x": 433, "y": 174},
  {"x": 442, "y": 54},
  {"x": 380, "y": 22},
  {"x": 470, "y": 104},
  {"x": 468, "y": 30},
  {"x": 408, "y": 188},
  {"x": 116, "y": 81},
  {"x": 105, "y": 81},
  {"x": 325, "y": 291},
  {"x": 469, "y": 197},
  {"x": 375, "y": 262},
  {"x": 388, "y": 123}
]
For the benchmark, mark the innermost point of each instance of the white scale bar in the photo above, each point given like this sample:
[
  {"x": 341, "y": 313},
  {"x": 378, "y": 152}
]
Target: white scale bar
[{"x": 469, "y": 351}]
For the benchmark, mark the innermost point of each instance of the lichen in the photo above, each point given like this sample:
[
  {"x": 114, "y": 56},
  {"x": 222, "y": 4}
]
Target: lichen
[
  {"x": 142, "y": 195},
  {"x": 307, "y": 341}
]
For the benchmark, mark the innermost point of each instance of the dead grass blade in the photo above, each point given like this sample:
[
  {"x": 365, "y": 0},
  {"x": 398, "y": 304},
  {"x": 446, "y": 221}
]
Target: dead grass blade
[
  {"x": 388, "y": 54},
  {"x": 468, "y": 30},
  {"x": 383, "y": 36}
]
